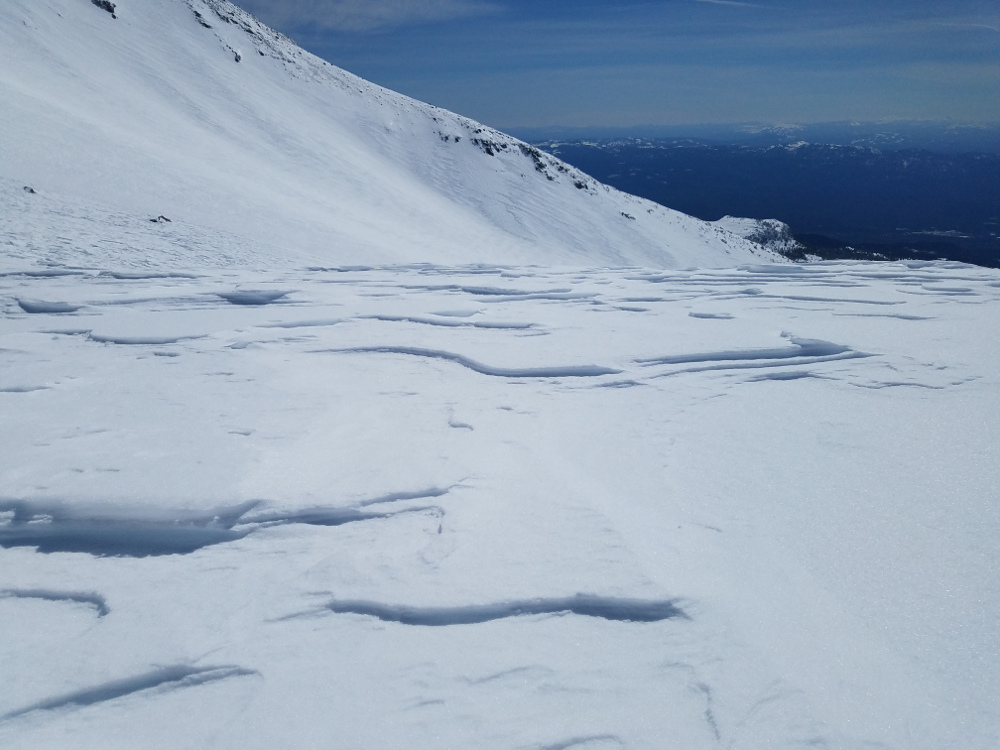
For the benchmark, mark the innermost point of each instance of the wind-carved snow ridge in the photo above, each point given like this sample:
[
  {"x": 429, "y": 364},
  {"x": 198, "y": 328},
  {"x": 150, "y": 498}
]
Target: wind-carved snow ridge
[
  {"x": 172, "y": 678},
  {"x": 57, "y": 527},
  {"x": 96, "y": 601},
  {"x": 144, "y": 275},
  {"x": 139, "y": 340},
  {"x": 115, "y": 532},
  {"x": 744, "y": 538},
  {"x": 333, "y": 516},
  {"x": 396, "y": 497},
  {"x": 495, "y": 294},
  {"x": 253, "y": 298},
  {"x": 37, "y": 306},
  {"x": 589, "y": 742},
  {"x": 587, "y": 605},
  {"x": 780, "y": 376},
  {"x": 492, "y": 291},
  {"x": 449, "y": 323},
  {"x": 320, "y": 516},
  {"x": 316, "y": 323},
  {"x": 45, "y": 273},
  {"x": 568, "y": 371},
  {"x": 802, "y": 351},
  {"x": 799, "y": 348}
]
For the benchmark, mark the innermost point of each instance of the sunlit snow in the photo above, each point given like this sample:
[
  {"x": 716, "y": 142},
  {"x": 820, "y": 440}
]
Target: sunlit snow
[
  {"x": 425, "y": 506},
  {"x": 371, "y": 461}
]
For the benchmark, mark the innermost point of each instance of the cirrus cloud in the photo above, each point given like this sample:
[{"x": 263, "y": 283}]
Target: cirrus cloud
[{"x": 735, "y": 3}]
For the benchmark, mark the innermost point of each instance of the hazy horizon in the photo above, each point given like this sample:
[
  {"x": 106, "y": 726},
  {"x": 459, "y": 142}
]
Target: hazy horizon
[{"x": 517, "y": 65}]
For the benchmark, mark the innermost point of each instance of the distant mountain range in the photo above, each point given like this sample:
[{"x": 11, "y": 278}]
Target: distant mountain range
[
  {"x": 841, "y": 199},
  {"x": 939, "y": 137}
]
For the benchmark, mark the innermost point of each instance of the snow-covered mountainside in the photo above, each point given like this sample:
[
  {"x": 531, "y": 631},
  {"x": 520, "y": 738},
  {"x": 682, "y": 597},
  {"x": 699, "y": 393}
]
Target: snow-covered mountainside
[
  {"x": 194, "y": 110},
  {"x": 266, "y": 484},
  {"x": 773, "y": 234}
]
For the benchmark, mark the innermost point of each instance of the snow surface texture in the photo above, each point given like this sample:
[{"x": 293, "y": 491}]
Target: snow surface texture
[
  {"x": 267, "y": 483},
  {"x": 506, "y": 507},
  {"x": 192, "y": 111}
]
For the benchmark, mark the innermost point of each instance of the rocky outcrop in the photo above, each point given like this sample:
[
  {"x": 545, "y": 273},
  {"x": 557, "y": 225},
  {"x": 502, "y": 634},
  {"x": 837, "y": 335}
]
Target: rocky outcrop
[
  {"x": 105, "y": 5},
  {"x": 773, "y": 234}
]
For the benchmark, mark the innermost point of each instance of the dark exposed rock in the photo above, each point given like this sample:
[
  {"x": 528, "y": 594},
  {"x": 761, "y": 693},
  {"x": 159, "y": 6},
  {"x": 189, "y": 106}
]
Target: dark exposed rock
[
  {"x": 492, "y": 148},
  {"x": 105, "y": 5},
  {"x": 536, "y": 156}
]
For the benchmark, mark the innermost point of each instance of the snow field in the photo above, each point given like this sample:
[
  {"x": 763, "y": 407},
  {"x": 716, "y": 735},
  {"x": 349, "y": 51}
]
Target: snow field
[
  {"x": 500, "y": 506},
  {"x": 332, "y": 419}
]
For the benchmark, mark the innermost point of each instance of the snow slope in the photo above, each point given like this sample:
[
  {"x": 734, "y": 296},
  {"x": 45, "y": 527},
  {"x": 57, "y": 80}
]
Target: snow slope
[
  {"x": 194, "y": 110},
  {"x": 501, "y": 507},
  {"x": 264, "y": 483}
]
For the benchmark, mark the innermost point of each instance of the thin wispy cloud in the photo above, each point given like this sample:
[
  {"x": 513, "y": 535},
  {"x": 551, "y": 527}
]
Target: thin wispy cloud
[
  {"x": 591, "y": 61},
  {"x": 971, "y": 26},
  {"x": 734, "y": 3},
  {"x": 365, "y": 15}
]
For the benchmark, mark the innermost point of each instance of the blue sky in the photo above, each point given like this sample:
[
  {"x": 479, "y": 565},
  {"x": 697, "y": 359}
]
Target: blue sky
[{"x": 514, "y": 63}]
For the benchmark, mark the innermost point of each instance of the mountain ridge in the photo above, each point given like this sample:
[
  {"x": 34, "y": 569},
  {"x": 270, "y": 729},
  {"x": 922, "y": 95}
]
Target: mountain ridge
[{"x": 194, "y": 109}]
